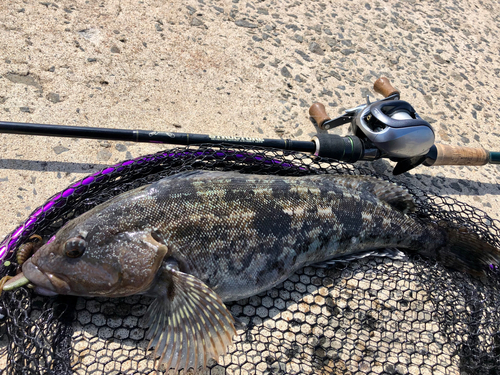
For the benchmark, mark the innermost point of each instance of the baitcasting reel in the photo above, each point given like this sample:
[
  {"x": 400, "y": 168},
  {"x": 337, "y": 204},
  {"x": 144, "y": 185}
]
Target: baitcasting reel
[
  {"x": 389, "y": 128},
  {"x": 394, "y": 127}
]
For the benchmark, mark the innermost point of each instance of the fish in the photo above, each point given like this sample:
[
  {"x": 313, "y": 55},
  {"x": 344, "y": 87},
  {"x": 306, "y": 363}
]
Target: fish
[{"x": 198, "y": 239}]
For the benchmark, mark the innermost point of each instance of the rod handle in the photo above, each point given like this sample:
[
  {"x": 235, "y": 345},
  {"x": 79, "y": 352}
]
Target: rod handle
[
  {"x": 456, "y": 155},
  {"x": 383, "y": 86},
  {"x": 318, "y": 112}
]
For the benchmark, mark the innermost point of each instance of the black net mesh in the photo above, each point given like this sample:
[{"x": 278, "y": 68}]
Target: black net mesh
[{"x": 370, "y": 316}]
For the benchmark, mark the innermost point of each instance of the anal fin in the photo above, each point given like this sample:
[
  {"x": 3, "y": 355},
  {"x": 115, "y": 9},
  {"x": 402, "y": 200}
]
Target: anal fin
[
  {"x": 188, "y": 322},
  {"x": 391, "y": 253}
]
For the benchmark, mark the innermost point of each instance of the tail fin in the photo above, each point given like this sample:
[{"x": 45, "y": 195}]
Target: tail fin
[{"x": 466, "y": 251}]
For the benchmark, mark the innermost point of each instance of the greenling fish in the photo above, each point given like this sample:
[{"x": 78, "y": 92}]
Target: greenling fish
[{"x": 197, "y": 239}]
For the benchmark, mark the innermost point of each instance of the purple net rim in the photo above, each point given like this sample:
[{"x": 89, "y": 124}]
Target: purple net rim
[{"x": 10, "y": 242}]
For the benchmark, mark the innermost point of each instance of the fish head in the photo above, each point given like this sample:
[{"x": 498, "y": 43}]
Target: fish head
[{"x": 92, "y": 259}]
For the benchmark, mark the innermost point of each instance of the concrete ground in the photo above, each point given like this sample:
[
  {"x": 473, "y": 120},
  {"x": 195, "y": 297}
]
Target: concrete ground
[{"x": 238, "y": 68}]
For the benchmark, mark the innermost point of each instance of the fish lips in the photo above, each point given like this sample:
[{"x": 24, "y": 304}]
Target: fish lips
[{"x": 46, "y": 284}]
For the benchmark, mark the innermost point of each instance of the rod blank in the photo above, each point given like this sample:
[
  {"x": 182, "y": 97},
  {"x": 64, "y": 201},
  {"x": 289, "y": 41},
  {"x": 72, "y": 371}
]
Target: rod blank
[{"x": 148, "y": 136}]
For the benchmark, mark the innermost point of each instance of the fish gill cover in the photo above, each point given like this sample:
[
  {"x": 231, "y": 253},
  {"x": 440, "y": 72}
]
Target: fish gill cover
[{"x": 367, "y": 316}]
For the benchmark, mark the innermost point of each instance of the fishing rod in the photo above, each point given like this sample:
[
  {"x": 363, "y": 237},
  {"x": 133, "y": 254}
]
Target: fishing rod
[
  {"x": 387, "y": 128},
  {"x": 341, "y": 148}
]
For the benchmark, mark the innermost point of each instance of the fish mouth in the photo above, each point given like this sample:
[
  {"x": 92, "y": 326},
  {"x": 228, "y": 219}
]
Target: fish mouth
[{"x": 46, "y": 284}]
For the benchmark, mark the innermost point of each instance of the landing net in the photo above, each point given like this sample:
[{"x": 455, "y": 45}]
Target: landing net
[{"x": 369, "y": 316}]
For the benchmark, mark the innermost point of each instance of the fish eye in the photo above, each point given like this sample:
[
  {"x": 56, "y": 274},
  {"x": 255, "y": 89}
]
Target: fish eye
[{"x": 74, "y": 247}]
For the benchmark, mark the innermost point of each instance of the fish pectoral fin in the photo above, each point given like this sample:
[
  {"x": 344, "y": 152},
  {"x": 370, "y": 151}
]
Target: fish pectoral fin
[{"x": 189, "y": 323}]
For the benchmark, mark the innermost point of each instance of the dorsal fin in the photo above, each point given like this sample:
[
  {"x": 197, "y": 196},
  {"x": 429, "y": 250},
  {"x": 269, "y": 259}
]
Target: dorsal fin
[
  {"x": 203, "y": 174},
  {"x": 394, "y": 195}
]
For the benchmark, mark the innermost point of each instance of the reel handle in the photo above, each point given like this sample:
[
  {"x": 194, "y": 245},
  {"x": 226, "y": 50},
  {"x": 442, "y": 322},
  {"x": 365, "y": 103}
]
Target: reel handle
[
  {"x": 383, "y": 86},
  {"x": 318, "y": 112},
  {"x": 440, "y": 154}
]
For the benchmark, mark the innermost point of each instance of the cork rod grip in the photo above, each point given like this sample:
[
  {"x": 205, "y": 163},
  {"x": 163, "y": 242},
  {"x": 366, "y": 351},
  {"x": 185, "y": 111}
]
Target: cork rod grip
[
  {"x": 318, "y": 113},
  {"x": 383, "y": 86},
  {"x": 455, "y": 155}
]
